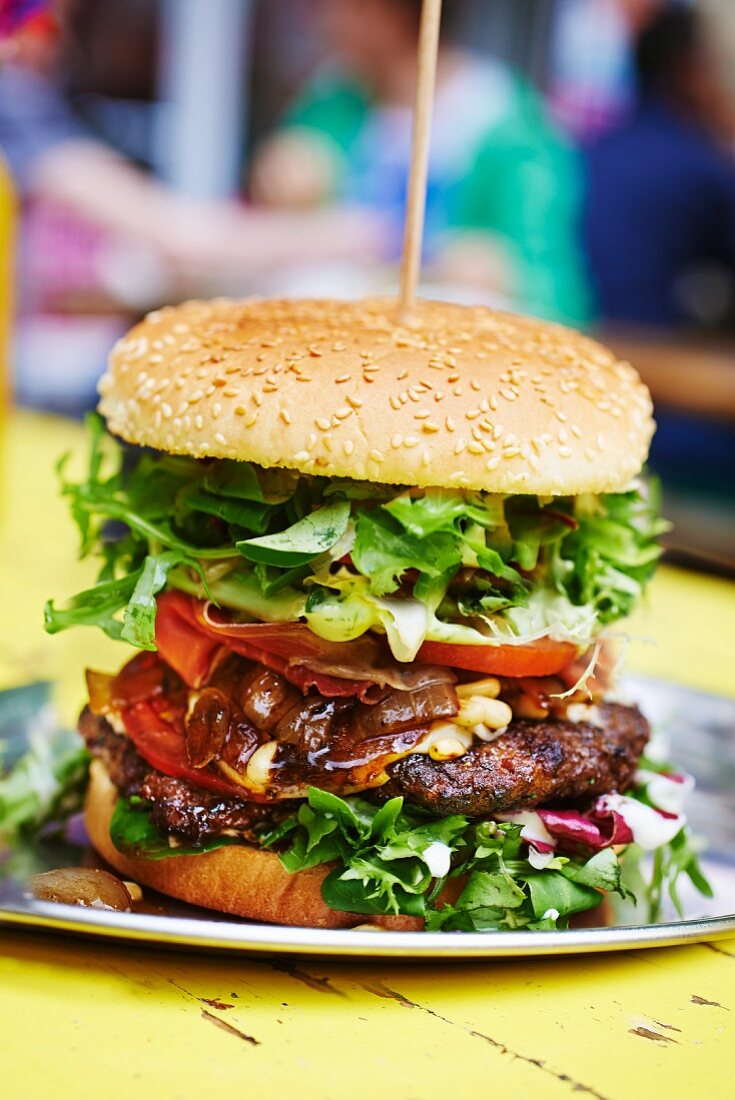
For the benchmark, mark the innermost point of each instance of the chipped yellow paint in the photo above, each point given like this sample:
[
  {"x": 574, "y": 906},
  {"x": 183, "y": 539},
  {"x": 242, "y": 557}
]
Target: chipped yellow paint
[
  {"x": 84, "y": 1021},
  {"x": 87, "y": 1021}
]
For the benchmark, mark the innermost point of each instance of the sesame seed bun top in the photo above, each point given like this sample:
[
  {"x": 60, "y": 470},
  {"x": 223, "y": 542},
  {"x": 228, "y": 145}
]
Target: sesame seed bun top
[{"x": 466, "y": 398}]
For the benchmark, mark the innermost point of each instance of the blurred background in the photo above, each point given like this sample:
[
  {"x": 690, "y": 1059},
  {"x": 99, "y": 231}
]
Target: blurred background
[{"x": 582, "y": 169}]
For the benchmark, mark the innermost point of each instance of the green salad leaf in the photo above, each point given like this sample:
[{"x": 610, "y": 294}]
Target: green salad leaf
[
  {"x": 343, "y": 555},
  {"x": 310, "y": 536},
  {"x": 45, "y": 784}
]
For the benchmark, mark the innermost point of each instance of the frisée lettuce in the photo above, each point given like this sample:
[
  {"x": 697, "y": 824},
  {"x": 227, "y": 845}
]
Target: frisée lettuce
[{"x": 445, "y": 565}]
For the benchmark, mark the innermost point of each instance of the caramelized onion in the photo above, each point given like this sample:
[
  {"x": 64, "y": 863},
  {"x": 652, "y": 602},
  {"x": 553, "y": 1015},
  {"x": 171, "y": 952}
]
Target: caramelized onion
[
  {"x": 312, "y": 723},
  {"x": 266, "y": 697},
  {"x": 240, "y": 745},
  {"x": 85, "y": 886},
  {"x": 206, "y": 727},
  {"x": 406, "y": 710}
]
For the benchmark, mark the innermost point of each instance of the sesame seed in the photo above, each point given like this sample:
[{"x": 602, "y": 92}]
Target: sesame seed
[
  {"x": 429, "y": 426},
  {"x": 167, "y": 410},
  {"x": 155, "y": 359},
  {"x": 394, "y": 402},
  {"x": 476, "y": 448},
  {"x": 230, "y": 392},
  {"x": 475, "y": 385},
  {"x": 219, "y": 438},
  {"x": 301, "y": 456},
  {"x": 565, "y": 452},
  {"x": 240, "y": 410},
  {"x": 562, "y": 416},
  {"x": 348, "y": 447},
  {"x": 198, "y": 422},
  {"x": 216, "y": 410},
  {"x": 562, "y": 435},
  {"x": 355, "y": 402},
  {"x": 285, "y": 416},
  {"x": 511, "y": 452},
  {"x": 397, "y": 440},
  {"x": 410, "y": 441},
  {"x": 323, "y": 424},
  {"x": 459, "y": 446},
  {"x": 493, "y": 463},
  {"x": 343, "y": 378},
  {"x": 252, "y": 418},
  {"x": 377, "y": 456}
]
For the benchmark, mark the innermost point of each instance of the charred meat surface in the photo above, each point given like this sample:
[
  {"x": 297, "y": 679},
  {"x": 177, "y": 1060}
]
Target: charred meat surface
[
  {"x": 532, "y": 763},
  {"x": 181, "y": 808},
  {"x": 177, "y": 806},
  {"x": 126, "y": 767}
]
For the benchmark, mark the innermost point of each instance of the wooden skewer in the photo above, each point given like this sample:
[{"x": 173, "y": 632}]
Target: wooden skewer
[{"x": 418, "y": 175}]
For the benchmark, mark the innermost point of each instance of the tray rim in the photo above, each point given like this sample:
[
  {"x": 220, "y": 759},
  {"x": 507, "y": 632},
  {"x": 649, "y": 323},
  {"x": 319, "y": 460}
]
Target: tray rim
[{"x": 248, "y": 938}]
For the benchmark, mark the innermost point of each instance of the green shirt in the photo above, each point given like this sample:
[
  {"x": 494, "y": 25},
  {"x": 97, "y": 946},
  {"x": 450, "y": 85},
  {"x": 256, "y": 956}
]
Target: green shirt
[{"x": 497, "y": 166}]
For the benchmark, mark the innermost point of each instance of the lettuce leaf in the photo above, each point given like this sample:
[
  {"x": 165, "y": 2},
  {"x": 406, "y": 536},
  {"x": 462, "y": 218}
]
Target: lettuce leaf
[{"x": 274, "y": 544}]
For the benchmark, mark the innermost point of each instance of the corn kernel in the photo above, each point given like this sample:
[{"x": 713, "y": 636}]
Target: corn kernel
[{"x": 489, "y": 687}]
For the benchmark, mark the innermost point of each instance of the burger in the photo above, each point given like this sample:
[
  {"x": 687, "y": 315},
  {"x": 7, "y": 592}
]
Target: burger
[{"x": 370, "y": 575}]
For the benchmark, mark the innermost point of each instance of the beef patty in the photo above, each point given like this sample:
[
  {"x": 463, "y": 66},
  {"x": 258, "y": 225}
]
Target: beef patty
[
  {"x": 177, "y": 806},
  {"x": 532, "y": 763}
]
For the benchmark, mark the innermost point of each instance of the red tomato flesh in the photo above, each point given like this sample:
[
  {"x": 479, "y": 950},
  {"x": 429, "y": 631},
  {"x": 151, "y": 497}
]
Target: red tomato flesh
[{"x": 542, "y": 658}]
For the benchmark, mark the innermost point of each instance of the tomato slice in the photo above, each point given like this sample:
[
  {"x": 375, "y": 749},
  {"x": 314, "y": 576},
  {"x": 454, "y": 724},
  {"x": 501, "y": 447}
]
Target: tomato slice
[
  {"x": 164, "y": 747},
  {"x": 541, "y": 658}
]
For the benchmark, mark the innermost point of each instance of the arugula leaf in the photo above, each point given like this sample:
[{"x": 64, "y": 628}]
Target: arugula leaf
[
  {"x": 555, "y": 890},
  {"x": 95, "y": 606},
  {"x": 139, "y": 619},
  {"x": 313, "y": 535},
  {"x": 384, "y": 551},
  {"x": 515, "y": 562},
  {"x": 133, "y": 833},
  {"x": 386, "y": 855},
  {"x": 242, "y": 513}
]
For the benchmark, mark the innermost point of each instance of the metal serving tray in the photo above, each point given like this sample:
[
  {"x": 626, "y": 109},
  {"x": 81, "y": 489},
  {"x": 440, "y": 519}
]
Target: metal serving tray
[{"x": 701, "y": 730}]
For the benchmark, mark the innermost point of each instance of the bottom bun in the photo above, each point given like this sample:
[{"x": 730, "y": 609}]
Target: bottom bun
[
  {"x": 248, "y": 882},
  {"x": 237, "y": 879}
]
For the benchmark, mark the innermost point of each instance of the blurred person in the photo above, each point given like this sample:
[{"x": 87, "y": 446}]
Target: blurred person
[
  {"x": 661, "y": 186},
  {"x": 502, "y": 198},
  {"x": 100, "y": 237},
  {"x": 592, "y": 81}
]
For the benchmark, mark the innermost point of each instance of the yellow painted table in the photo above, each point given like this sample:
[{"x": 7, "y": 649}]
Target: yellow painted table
[{"x": 87, "y": 1021}]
